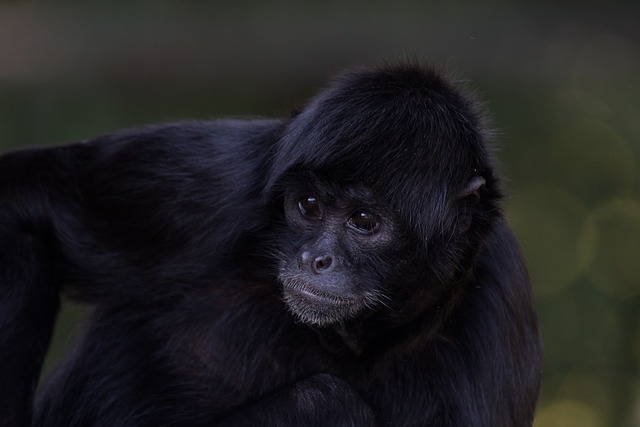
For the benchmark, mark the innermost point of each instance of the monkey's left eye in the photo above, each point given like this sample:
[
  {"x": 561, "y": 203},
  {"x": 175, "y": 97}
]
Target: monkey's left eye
[
  {"x": 363, "y": 222},
  {"x": 309, "y": 207}
]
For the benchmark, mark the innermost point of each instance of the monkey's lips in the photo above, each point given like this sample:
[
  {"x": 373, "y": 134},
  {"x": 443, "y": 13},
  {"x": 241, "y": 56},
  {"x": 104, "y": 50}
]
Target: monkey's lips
[
  {"x": 310, "y": 294},
  {"x": 316, "y": 307}
]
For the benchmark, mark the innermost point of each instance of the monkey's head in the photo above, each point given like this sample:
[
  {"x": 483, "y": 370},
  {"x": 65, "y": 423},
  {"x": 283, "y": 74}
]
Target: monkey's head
[{"x": 387, "y": 190}]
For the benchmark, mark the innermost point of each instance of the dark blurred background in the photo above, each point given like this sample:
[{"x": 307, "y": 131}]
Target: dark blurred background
[{"x": 561, "y": 81}]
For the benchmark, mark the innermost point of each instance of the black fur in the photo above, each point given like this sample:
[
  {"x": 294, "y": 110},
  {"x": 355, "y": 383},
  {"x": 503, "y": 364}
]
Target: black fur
[{"x": 177, "y": 235}]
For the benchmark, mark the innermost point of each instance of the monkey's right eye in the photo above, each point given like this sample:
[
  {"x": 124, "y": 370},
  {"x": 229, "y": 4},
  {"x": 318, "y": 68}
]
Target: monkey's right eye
[{"x": 309, "y": 207}]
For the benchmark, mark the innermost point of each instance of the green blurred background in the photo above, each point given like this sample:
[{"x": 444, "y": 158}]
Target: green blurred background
[{"x": 561, "y": 81}]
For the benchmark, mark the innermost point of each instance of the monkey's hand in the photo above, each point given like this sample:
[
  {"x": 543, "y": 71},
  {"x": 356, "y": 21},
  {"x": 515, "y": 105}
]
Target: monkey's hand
[{"x": 321, "y": 400}]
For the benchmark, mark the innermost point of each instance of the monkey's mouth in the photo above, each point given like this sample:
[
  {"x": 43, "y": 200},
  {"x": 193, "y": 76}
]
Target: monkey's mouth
[
  {"x": 313, "y": 306},
  {"x": 297, "y": 289}
]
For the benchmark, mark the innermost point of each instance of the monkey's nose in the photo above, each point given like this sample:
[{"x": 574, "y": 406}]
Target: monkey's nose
[
  {"x": 322, "y": 263},
  {"x": 317, "y": 265}
]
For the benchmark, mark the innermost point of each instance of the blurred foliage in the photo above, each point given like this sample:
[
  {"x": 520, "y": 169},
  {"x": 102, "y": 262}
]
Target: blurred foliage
[{"x": 560, "y": 80}]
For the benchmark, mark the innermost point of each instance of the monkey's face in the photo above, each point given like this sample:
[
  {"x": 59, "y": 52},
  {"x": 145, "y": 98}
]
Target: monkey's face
[{"x": 338, "y": 252}]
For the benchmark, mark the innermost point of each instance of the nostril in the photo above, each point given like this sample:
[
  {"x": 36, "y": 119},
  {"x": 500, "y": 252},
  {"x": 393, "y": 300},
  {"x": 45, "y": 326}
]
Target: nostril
[{"x": 322, "y": 263}]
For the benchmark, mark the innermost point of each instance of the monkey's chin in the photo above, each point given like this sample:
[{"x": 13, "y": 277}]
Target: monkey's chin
[{"x": 317, "y": 308}]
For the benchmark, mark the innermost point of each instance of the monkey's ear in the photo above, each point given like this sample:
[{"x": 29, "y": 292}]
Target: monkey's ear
[{"x": 472, "y": 189}]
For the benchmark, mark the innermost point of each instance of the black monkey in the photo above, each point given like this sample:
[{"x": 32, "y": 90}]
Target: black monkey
[{"x": 347, "y": 266}]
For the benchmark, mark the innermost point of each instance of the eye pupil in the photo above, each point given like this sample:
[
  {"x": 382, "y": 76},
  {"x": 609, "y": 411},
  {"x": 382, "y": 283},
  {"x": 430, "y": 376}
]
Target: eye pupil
[
  {"x": 363, "y": 221},
  {"x": 308, "y": 206}
]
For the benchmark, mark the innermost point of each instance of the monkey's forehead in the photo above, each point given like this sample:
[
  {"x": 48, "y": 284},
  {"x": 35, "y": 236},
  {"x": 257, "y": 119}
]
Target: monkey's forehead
[{"x": 330, "y": 188}]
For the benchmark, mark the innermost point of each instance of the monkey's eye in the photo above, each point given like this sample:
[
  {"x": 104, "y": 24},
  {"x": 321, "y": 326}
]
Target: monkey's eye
[
  {"x": 363, "y": 222},
  {"x": 309, "y": 207}
]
